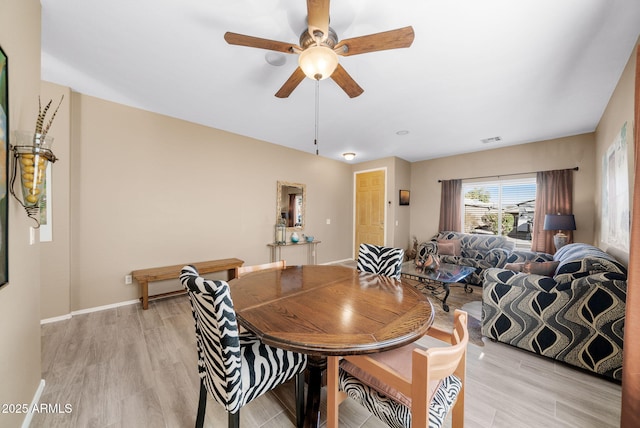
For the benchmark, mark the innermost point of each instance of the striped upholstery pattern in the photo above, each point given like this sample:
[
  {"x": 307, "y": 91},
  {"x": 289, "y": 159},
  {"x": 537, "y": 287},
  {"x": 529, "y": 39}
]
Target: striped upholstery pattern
[
  {"x": 478, "y": 251},
  {"x": 380, "y": 260},
  {"x": 576, "y": 317},
  {"x": 234, "y": 367},
  {"x": 395, "y": 414}
]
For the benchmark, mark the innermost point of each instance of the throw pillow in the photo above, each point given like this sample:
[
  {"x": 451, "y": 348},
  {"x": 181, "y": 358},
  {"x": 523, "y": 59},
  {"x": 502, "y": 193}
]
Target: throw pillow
[
  {"x": 516, "y": 267},
  {"x": 452, "y": 247},
  {"x": 541, "y": 268},
  {"x": 538, "y": 268},
  {"x": 446, "y": 249}
]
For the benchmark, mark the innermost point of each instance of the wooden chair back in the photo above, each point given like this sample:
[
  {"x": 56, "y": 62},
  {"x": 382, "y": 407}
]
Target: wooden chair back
[{"x": 428, "y": 366}]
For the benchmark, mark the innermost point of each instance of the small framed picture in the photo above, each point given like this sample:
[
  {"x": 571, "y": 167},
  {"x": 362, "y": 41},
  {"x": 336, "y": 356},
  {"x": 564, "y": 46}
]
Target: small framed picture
[{"x": 404, "y": 197}]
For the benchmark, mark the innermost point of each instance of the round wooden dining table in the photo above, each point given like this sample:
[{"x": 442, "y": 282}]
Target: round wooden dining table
[{"x": 323, "y": 310}]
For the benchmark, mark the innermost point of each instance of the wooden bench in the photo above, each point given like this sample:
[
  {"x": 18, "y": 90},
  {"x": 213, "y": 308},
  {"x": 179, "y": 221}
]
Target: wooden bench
[{"x": 145, "y": 276}]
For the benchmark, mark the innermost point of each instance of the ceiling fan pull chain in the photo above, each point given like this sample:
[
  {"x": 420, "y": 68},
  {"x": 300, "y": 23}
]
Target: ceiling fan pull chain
[{"x": 315, "y": 141}]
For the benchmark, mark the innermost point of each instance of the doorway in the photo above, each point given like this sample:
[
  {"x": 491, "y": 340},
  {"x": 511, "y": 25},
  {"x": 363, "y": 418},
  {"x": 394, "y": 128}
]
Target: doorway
[{"x": 370, "y": 195}]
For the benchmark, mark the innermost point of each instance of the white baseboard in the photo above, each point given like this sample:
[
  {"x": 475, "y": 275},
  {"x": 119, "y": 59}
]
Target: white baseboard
[
  {"x": 36, "y": 399},
  {"x": 337, "y": 262},
  {"x": 130, "y": 302},
  {"x": 88, "y": 310},
  {"x": 55, "y": 319}
]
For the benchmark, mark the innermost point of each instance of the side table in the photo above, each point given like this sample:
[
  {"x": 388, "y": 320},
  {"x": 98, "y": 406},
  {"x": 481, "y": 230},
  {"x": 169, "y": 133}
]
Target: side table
[{"x": 312, "y": 258}]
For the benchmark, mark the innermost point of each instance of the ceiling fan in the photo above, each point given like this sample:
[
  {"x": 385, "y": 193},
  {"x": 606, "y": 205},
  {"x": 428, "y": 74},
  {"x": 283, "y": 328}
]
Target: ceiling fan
[{"x": 319, "y": 49}]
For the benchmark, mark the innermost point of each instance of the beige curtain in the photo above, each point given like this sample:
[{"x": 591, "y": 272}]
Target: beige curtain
[
  {"x": 630, "y": 417},
  {"x": 450, "y": 206},
  {"x": 554, "y": 195}
]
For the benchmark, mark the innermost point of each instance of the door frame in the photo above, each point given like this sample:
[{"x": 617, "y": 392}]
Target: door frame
[{"x": 386, "y": 214}]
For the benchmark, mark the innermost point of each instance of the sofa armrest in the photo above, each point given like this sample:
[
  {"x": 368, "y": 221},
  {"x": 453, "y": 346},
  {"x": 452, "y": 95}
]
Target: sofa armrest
[
  {"x": 426, "y": 248},
  {"x": 497, "y": 257},
  {"x": 610, "y": 282}
]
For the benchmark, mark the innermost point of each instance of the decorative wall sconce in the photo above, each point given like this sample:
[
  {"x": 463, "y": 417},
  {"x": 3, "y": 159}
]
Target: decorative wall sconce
[{"x": 32, "y": 153}]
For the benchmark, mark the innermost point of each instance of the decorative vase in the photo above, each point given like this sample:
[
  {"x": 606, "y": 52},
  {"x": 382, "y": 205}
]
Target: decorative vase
[
  {"x": 33, "y": 153},
  {"x": 431, "y": 262},
  {"x": 294, "y": 237}
]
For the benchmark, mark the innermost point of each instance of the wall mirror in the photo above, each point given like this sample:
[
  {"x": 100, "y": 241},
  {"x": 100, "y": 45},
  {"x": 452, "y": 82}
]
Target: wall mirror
[{"x": 291, "y": 203}]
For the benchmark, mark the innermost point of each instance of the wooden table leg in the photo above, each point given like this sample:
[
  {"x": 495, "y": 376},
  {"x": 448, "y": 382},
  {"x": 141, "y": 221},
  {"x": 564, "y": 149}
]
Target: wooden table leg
[
  {"x": 316, "y": 365},
  {"x": 144, "y": 288}
]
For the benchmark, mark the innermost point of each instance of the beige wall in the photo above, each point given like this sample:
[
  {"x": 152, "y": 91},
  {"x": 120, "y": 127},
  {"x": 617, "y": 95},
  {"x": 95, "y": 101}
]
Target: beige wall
[
  {"x": 618, "y": 112},
  {"x": 397, "y": 220},
  {"x": 545, "y": 155},
  {"x": 20, "y": 298},
  {"x": 148, "y": 190}
]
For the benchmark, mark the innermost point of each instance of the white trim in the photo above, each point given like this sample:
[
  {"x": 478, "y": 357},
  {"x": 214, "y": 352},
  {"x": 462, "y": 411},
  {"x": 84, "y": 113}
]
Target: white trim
[
  {"x": 102, "y": 308},
  {"x": 89, "y": 310},
  {"x": 46, "y": 230},
  {"x": 337, "y": 262},
  {"x": 55, "y": 319},
  {"x": 36, "y": 399}
]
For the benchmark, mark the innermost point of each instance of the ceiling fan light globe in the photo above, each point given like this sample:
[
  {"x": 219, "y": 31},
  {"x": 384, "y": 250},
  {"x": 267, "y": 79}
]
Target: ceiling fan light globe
[{"x": 318, "y": 62}]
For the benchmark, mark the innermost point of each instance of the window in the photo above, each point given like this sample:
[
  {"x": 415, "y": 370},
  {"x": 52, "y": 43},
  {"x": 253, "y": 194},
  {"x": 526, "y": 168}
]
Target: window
[{"x": 500, "y": 207}]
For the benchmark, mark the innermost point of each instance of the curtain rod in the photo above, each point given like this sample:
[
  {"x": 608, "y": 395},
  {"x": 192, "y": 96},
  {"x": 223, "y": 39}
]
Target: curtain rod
[{"x": 575, "y": 168}]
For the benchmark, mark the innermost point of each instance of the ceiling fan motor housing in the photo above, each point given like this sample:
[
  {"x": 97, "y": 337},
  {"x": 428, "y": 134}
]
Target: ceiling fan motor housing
[{"x": 307, "y": 40}]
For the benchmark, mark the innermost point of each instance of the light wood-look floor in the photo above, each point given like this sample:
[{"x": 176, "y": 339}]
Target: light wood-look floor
[{"x": 126, "y": 367}]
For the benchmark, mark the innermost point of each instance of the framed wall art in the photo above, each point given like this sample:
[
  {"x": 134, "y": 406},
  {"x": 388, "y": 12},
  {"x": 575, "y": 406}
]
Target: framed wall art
[
  {"x": 404, "y": 197},
  {"x": 4, "y": 167}
]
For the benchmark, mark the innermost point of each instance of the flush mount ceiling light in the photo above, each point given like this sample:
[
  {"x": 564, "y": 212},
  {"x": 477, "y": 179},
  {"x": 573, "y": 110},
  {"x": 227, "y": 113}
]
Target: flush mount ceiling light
[
  {"x": 491, "y": 140},
  {"x": 276, "y": 59},
  {"x": 349, "y": 156},
  {"x": 402, "y": 132}
]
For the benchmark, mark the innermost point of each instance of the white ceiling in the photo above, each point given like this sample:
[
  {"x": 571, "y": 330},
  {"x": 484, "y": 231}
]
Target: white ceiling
[{"x": 525, "y": 70}]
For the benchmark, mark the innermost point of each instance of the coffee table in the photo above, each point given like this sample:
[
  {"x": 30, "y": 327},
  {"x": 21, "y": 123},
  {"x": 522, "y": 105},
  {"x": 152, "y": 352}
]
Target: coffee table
[{"x": 438, "y": 280}]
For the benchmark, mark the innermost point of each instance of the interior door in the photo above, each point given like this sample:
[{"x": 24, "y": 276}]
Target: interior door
[{"x": 370, "y": 198}]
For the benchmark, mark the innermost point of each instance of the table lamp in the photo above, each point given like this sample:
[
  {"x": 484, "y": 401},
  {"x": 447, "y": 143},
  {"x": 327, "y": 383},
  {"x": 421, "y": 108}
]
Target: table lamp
[{"x": 559, "y": 222}]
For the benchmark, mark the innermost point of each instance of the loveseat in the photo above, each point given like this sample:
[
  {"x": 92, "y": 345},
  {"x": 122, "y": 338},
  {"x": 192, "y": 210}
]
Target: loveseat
[
  {"x": 478, "y": 251},
  {"x": 573, "y": 313}
]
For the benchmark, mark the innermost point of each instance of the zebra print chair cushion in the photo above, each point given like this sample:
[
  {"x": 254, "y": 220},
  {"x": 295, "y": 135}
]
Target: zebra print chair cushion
[
  {"x": 234, "y": 367},
  {"x": 394, "y": 413},
  {"x": 380, "y": 260}
]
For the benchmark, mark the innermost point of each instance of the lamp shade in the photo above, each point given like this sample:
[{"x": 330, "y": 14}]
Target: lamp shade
[
  {"x": 559, "y": 222},
  {"x": 318, "y": 62}
]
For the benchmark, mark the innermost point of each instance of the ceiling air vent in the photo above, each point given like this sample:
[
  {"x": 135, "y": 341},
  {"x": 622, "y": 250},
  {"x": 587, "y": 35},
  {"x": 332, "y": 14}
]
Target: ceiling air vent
[{"x": 491, "y": 140}]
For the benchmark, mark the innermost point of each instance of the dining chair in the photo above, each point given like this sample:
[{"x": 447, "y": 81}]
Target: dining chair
[
  {"x": 381, "y": 260},
  {"x": 243, "y": 270},
  {"x": 234, "y": 367},
  {"x": 411, "y": 386}
]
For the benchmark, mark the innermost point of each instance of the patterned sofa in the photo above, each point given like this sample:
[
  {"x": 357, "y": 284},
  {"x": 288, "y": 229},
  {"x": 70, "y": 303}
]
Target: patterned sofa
[
  {"x": 575, "y": 315},
  {"x": 478, "y": 251}
]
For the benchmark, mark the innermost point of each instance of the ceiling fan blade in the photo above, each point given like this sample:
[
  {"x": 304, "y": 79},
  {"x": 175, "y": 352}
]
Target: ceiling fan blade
[
  {"x": 318, "y": 16},
  {"x": 257, "y": 42},
  {"x": 393, "y": 39},
  {"x": 292, "y": 82},
  {"x": 346, "y": 82}
]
